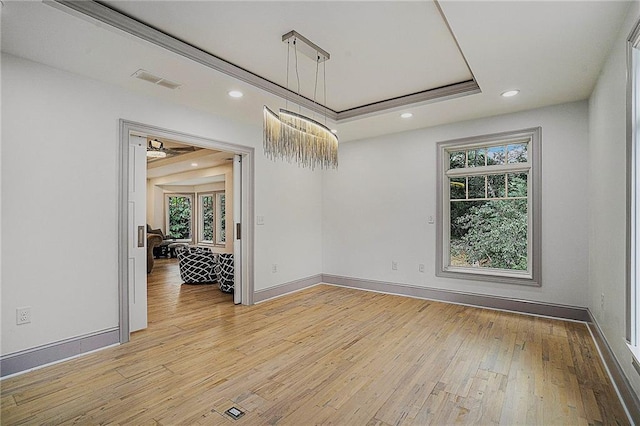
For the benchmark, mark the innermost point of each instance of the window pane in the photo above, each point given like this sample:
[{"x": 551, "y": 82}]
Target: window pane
[
  {"x": 476, "y": 187},
  {"x": 457, "y": 188},
  {"x": 489, "y": 234},
  {"x": 495, "y": 155},
  {"x": 476, "y": 157},
  {"x": 207, "y": 217},
  {"x": 221, "y": 225},
  {"x": 180, "y": 217},
  {"x": 517, "y": 183},
  {"x": 495, "y": 186},
  {"x": 459, "y": 211},
  {"x": 517, "y": 153},
  {"x": 456, "y": 160}
]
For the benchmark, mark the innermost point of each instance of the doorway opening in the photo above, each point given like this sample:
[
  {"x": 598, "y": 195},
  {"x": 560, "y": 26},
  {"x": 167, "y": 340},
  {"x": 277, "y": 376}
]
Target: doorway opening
[{"x": 213, "y": 179}]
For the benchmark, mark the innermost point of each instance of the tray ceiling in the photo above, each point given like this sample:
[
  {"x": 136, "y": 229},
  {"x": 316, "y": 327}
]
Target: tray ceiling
[
  {"x": 382, "y": 54},
  {"x": 379, "y": 50}
]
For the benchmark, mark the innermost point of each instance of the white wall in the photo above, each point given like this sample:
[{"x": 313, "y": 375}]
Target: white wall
[
  {"x": 209, "y": 187},
  {"x": 375, "y": 208},
  {"x": 291, "y": 204},
  {"x": 607, "y": 198},
  {"x": 59, "y": 247}
]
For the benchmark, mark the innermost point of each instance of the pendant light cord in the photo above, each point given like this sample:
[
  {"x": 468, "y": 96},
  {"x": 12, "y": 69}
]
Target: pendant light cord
[
  {"x": 324, "y": 87},
  {"x": 297, "y": 75},
  {"x": 286, "y": 99},
  {"x": 315, "y": 87}
]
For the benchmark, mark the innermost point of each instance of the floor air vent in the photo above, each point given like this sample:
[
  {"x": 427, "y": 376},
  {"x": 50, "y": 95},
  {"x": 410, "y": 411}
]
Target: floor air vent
[{"x": 234, "y": 413}]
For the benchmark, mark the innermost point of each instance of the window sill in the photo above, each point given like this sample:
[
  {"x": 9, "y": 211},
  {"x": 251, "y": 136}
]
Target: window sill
[{"x": 488, "y": 275}]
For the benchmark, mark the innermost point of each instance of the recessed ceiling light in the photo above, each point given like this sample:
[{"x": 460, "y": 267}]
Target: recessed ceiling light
[
  {"x": 406, "y": 115},
  {"x": 194, "y": 164},
  {"x": 236, "y": 94},
  {"x": 509, "y": 93}
]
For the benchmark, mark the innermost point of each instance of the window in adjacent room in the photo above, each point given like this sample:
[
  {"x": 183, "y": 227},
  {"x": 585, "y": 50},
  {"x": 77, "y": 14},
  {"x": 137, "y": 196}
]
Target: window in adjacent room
[
  {"x": 221, "y": 230},
  {"x": 489, "y": 205},
  {"x": 179, "y": 215},
  {"x": 211, "y": 213},
  {"x": 207, "y": 216}
]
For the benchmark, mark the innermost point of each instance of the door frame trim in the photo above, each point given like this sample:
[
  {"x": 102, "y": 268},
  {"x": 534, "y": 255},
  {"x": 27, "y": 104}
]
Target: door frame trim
[{"x": 247, "y": 203}]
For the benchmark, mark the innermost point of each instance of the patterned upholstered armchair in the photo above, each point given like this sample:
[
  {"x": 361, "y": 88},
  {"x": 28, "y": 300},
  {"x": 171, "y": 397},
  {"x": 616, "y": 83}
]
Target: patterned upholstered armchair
[
  {"x": 224, "y": 272},
  {"x": 196, "y": 264}
]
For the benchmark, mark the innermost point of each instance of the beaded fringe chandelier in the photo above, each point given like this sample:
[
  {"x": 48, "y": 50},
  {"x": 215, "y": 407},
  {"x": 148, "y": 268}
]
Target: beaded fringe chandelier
[{"x": 292, "y": 136}]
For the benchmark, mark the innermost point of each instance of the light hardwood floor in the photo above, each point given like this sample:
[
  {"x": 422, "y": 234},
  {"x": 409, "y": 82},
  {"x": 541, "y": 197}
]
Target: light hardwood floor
[{"x": 325, "y": 355}]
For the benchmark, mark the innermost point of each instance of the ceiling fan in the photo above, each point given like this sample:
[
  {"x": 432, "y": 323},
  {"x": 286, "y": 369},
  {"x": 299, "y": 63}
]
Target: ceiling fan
[{"x": 157, "y": 149}]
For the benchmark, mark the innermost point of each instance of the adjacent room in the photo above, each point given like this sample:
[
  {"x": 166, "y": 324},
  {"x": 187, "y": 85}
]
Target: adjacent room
[
  {"x": 309, "y": 212},
  {"x": 186, "y": 208}
]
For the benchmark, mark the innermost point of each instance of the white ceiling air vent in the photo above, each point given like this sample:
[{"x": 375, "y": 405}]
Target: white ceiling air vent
[
  {"x": 151, "y": 78},
  {"x": 168, "y": 84}
]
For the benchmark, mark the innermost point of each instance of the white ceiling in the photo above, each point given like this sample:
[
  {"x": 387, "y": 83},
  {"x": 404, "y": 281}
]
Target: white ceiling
[
  {"x": 200, "y": 159},
  {"x": 551, "y": 51},
  {"x": 196, "y": 181}
]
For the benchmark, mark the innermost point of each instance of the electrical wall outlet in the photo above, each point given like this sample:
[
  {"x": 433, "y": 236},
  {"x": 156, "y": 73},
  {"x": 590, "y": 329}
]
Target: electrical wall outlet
[
  {"x": 23, "y": 315},
  {"x": 421, "y": 267},
  {"x": 394, "y": 265},
  {"x": 602, "y": 302},
  {"x": 274, "y": 268}
]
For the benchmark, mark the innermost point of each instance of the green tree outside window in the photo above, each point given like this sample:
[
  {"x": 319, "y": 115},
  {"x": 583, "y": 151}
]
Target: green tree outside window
[{"x": 180, "y": 214}]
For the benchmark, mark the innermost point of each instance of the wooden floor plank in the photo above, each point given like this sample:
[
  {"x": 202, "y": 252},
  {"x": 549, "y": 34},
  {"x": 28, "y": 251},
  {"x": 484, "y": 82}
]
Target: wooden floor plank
[{"x": 325, "y": 355}]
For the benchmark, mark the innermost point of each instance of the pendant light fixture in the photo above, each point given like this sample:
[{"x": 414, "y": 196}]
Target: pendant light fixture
[{"x": 293, "y": 136}]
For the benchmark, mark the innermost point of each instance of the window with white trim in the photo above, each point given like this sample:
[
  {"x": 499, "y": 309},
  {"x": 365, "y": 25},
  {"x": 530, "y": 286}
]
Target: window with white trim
[
  {"x": 489, "y": 208},
  {"x": 179, "y": 216},
  {"x": 221, "y": 230},
  {"x": 211, "y": 215},
  {"x": 207, "y": 217}
]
